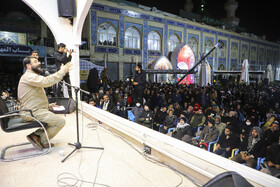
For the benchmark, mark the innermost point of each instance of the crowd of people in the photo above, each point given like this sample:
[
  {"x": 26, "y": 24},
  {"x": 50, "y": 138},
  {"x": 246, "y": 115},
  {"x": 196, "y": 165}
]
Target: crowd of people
[
  {"x": 236, "y": 116},
  {"x": 244, "y": 117}
]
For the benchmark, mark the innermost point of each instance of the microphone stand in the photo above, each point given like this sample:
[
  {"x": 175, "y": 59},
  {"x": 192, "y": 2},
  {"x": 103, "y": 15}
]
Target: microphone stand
[{"x": 78, "y": 144}]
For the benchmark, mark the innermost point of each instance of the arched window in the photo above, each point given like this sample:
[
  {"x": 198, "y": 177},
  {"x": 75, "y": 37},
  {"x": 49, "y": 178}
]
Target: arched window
[
  {"x": 173, "y": 42},
  {"x": 234, "y": 51},
  {"x": 221, "y": 67},
  {"x": 154, "y": 41},
  {"x": 222, "y": 52},
  {"x": 107, "y": 35},
  {"x": 193, "y": 45},
  {"x": 208, "y": 45},
  {"x": 132, "y": 38}
]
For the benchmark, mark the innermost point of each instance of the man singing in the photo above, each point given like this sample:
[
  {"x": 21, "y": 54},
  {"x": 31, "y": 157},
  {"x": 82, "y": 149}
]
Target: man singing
[
  {"x": 31, "y": 95},
  {"x": 60, "y": 57},
  {"x": 139, "y": 83}
]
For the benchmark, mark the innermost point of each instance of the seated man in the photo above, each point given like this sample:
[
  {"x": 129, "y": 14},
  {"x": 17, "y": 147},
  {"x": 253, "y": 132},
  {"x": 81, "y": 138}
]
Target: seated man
[
  {"x": 227, "y": 142},
  {"x": 31, "y": 95},
  {"x": 146, "y": 116},
  {"x": 271, "y": 135},
  {"x": 137, "y": 110},
  {"x": 198, "y": 119},
  {"x": 159, "y": 117},
  {"x": 209, "y": 134},
  {"x": 107, "y": 105},
  {"x": 251, "y": 148},
  {"x": 169, "y": 121},
  {"x": 182, "y": 129},
  {"x": 273, "y": 160}
]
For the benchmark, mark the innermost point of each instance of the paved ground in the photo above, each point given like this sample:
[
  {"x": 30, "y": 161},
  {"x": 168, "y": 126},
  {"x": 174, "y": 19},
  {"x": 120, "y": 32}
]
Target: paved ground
[{"x": 120, "y": 164}]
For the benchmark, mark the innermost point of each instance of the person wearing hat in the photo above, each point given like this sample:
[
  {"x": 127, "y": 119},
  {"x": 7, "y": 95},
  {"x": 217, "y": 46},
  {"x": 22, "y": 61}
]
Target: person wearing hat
[
  {"x": 209, "y": 134},
  {"x": 251, "y": 148},
  {"x": 182, "y": 129},
  {"x": 227, "y": 142},
  {"x": 220, "y": 125},
  {"x": 146, "y": 116}
]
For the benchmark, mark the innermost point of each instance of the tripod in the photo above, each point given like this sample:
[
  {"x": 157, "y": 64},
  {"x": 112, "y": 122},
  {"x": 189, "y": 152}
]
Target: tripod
[{"x": 78, "y": 145}]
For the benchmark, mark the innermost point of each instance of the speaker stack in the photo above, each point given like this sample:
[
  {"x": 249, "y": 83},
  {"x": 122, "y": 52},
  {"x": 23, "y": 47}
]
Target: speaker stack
[{"x": 66, "y": 8}]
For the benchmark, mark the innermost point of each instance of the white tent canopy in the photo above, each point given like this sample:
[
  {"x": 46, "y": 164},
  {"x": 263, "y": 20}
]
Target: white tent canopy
[
  {"x": 269, "y": 73},
  {"x": 245, "y": 72}
]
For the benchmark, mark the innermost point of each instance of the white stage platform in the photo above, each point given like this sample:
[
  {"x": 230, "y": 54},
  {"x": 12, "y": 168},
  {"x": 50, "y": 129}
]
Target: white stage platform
[{"x": 119, "y": 165}]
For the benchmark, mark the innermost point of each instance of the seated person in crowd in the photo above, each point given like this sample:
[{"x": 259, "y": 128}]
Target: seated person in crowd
[
  {"x": 227, "y": 142},
  {"x": 271, "y": 135},
  {"x": 220, "y": 125},
  {"x": 137, "y": 110},
  {"x": 5, "y": 95},
  {"x": 169, "y": 121},
  {"x": 272, "y": 159},
  {"x": 92, "y": 102},
  {"x": 198, "y": 119},
  {"x": 233, "y": 121},
  {"x": 189, "y": 113},
  {"x": 177, "y": 109},
  {"x": 247, "y": 127},
  {"x": 146, "y": 116},
  {"x": 209, "y": 134},
  {"x": 251, "y": 148},
  {"x": 181, "y": 129},
  {"x": 119, "y": 109},
  {"x": 159, "y": 117},
  {"x": 127, "y": 100},
  {"x": 107, "y": 105}
]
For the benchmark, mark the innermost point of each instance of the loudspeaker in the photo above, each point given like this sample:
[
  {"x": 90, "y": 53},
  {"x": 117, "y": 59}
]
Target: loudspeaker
[
  {"x": 228, "y": 179},
  {"x": 68, "y": 103},
  {"x": 66, "y": 8}
]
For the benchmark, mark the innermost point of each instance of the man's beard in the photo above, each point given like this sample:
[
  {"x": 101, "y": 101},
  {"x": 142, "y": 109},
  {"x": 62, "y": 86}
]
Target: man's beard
[{"x": 37, "y": 70}]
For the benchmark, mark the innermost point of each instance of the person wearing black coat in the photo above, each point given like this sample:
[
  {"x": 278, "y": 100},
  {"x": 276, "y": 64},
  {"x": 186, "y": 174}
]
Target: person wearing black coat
[
  {"x": 271, "y": 135},
  {"x": 146, "y": 116},
  {"x": 139, "y": 83},
  {"x": 93, "y": 81},
  {"x": 60, "y": 57},
  {"x": 107, "y": 105},
  {"x": 272, "y": 159},
  {"x": 251, "y": 148},
  {"x": 227, "y": 142},
  {"x": 159, "y": 117}
]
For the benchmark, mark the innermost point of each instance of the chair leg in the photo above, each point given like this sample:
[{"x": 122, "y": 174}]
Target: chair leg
[
  {"x": 45, "y": 151},
  {"x": 30, "y": 155}
]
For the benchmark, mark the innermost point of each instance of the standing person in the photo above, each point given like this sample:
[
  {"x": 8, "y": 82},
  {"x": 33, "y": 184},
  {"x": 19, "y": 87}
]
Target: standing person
[
  {"x": 60, "y": 57},
  {"x": 104, "y": 78},
  {"x": 32, "y": 95},
  {"x": 93, "y": 81},
  {"x": 139, "y": 83}
]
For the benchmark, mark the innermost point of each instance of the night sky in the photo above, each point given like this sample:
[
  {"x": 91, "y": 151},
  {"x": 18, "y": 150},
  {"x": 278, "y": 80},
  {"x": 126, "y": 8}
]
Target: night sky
[{"x": 257, "y": 17}]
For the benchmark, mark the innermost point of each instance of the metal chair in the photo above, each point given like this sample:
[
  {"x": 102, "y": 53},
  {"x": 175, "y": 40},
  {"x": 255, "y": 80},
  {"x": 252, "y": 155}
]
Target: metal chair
[{"x": 11, "y": 122}]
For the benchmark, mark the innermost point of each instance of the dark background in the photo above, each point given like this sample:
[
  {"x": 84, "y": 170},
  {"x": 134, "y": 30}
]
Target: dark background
[{"x": 257, "y": 17}]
